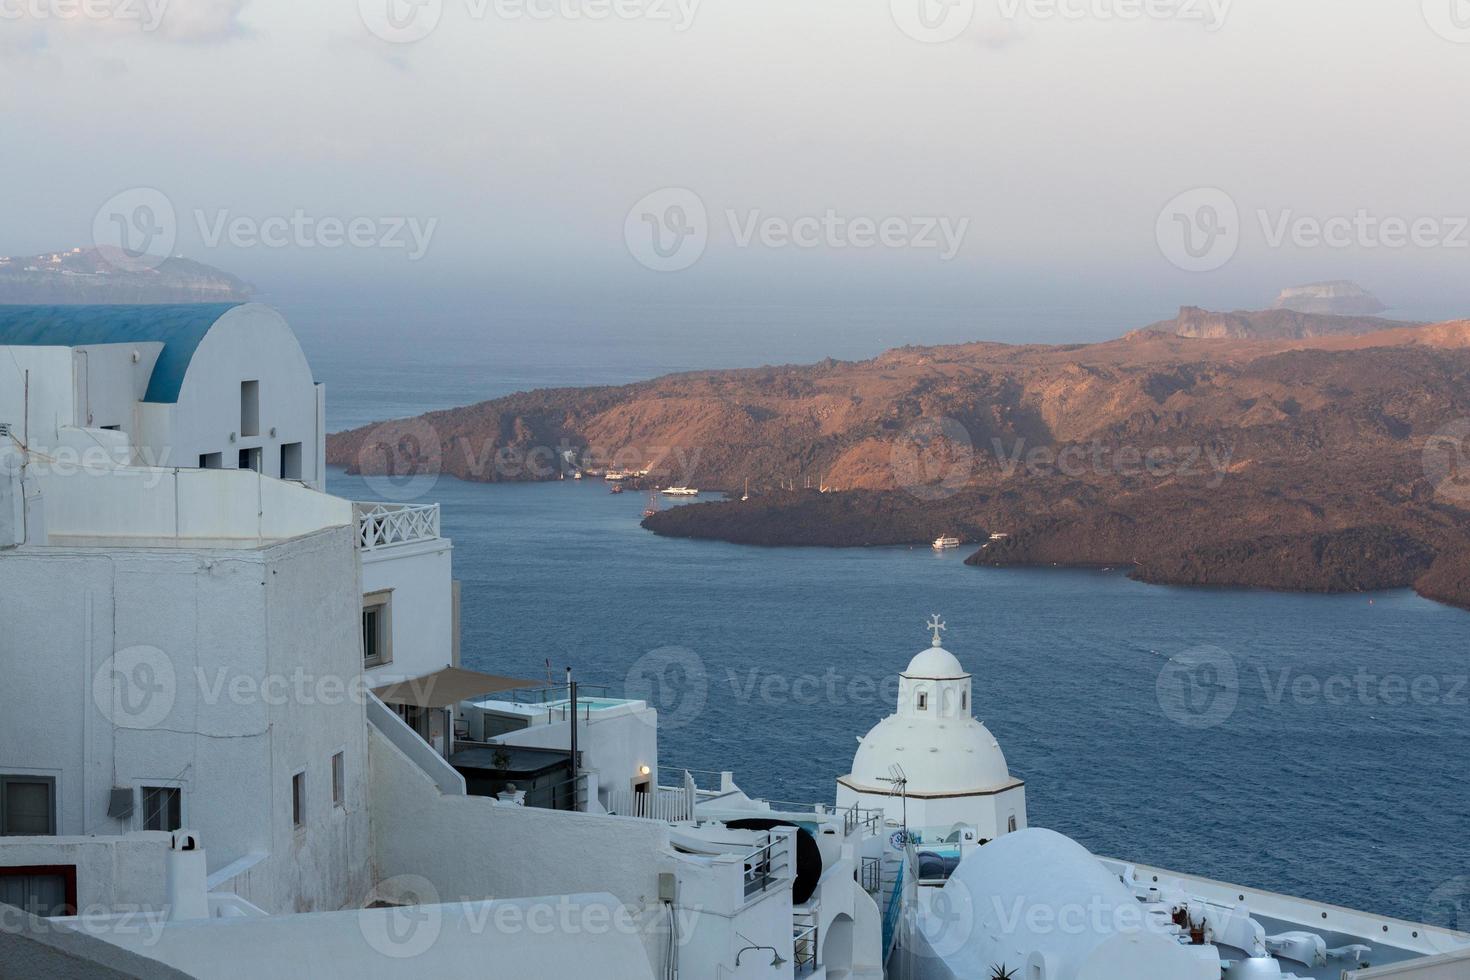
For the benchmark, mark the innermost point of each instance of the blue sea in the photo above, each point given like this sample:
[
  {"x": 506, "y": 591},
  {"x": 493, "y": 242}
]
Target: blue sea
[{"x": 1311, "y": 745}]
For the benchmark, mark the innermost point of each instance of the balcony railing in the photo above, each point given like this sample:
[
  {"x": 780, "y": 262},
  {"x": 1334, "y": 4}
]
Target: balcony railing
[
  {"x": 385, "y": 525},
  {"x": 766, "y": 867}
]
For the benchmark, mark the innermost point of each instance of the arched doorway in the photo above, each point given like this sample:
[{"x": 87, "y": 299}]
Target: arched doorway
[{"x": 837, "y": 948}]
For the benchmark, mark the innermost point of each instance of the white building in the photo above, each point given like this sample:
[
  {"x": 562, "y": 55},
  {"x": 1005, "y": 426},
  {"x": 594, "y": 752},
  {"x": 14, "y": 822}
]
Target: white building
[
  {"x": 931, "y": 766},
  {"x": 191, "y": 752}
]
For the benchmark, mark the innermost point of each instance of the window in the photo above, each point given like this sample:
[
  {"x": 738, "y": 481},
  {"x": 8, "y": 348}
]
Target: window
[
  {"x": 27, "y": 806},
  {"x": 44, "y": 891},
  {"x": 291, "y": 461},
  {"x": 162, "y": 808},
  {"x": 212, "y": 461},
  {"x": 964, "y": 700},
  {"x": 1011, "y": 825},
  {"x": 250, "y": 459},
  {"x": 923, "y": 701},
  {"x": 339, "y": 780},
  {"x": 377, "y": 629},
  {"x": 250, "y": 408},
  {"x": 298, "y": 799}
]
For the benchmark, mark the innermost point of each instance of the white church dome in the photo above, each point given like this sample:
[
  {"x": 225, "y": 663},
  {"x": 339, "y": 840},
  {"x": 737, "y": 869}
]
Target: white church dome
[
  {"x": 957, "y": 755},
  {"x": 935, "y": 663}
]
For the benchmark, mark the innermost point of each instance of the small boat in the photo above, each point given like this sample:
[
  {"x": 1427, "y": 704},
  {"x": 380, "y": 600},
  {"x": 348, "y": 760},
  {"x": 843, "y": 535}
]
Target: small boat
[
  {"x": 615, "y": 476},
  {"x": 617, "y": 488},
  {"x": 652, "y": 507},
  {"x": 946, "y": 542},
  {"x": 680, "y": 492},
  {"x": 746, "y": 497}
]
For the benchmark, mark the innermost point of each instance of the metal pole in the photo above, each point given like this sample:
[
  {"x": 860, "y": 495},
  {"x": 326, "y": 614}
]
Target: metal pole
[{"x": 572, "y": 694}]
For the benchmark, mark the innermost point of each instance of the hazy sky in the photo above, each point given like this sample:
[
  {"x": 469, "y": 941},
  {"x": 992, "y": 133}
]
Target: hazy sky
[{"x": 518, "y": 136}]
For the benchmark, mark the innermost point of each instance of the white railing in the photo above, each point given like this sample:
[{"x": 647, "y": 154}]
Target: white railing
[
  {"x": 385, "y": 525},
  {"x": 421, "y": 753},
  {"x": 668, "y": 805}
]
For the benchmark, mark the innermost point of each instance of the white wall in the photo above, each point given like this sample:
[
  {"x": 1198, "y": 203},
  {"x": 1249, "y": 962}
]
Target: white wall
[
  {"x": 615, "y": 743},
  {"x": 110, "y": 380},
  {"x": 420, "y": 575},
  {"x": 111, "y": 871},
  {"x": 52, "y": 399},
  {"x": 249, "y": 343},
  {"x": 224, "y": 622}
]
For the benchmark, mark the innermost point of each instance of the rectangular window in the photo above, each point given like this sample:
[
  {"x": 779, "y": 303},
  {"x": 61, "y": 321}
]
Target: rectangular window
[
  {"x": 212, "y": 461},
  {"x": 339, "y": 780},
  {"x": 250, "y": 408},
  {"x": 1011, "y": 825},
  {"x": 44, "y": 891},
  {"x": 27, "y": 806},
  {"x": 298, "y": 799},
  {"x": 162, "y": 808},
  {"x": 377, "y": 629},
  {"x": 291, "y": 461},
  {"x": 250, "y": 459}
]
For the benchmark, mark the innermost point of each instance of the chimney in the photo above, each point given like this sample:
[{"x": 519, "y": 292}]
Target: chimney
[{"x": 188, "y": 888}]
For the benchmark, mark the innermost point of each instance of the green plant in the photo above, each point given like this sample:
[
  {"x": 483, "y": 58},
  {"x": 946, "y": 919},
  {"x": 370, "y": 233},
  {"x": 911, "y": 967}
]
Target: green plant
[{"x": 1002, "y": 972}]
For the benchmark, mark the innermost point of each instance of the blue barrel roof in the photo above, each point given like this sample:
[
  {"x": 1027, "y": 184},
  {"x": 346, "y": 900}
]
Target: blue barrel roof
[{"x": 179, "y": 327}]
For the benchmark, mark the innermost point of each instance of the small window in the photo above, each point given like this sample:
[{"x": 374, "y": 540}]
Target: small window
[
  {"x": 250, "y": 459},
  {"x": 27, "y": 806},
  {"x": 298, "y": 800},
  {"x": 250, "y": 408},
  {"x": 339, "y": 780},
  {"x": 291, "y": 461},
  {"x": 1011, "y": 825},
  {"x": 377, "y": 629},
  {"x": 964, "y": 700},
  {"x": 162, "y": 808},
  {"x": 923, "y": 701},
  {"x": 212, "y": 461},
  {"x": 45, "y": 891}
]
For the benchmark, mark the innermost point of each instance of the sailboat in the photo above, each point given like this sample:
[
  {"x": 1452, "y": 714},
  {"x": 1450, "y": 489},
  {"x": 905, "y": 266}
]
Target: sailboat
[
  {"x": 652, "y": 507},
  {"x": 747, "y": 491}
]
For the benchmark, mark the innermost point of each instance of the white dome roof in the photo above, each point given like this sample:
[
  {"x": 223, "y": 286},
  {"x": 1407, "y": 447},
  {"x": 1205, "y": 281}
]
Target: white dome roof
[
  {"x": 957, "y": 755},
  {"x": 935, "y": 663}
]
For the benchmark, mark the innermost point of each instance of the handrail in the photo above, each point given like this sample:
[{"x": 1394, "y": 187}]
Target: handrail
[
  {"x": 890, "y": 915},
  {"x": 385, "y": 525},
  {"x": 804, "y": 946},
  {"x": 762, "y": 867}
]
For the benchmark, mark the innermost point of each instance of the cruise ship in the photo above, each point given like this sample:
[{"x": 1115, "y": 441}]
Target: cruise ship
[{"x": 237, "y": 739}]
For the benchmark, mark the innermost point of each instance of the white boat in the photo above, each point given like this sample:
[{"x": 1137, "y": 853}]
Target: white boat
[
  {"x": 946, "y": 542},
  {"x": 680, "y": 492}
]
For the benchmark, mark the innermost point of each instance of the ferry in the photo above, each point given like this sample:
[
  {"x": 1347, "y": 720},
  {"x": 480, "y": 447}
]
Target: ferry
[
  {"x": 680, "y": 492},
  {"x": 946, "y": 542}
]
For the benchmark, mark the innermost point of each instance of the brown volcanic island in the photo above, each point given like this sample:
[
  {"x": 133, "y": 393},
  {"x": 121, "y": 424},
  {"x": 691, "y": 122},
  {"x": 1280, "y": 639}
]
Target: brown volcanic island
[{"x": 1333, "y": 460}]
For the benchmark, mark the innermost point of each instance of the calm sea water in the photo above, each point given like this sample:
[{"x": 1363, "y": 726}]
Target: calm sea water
[{"x": 1358, "y": 797}]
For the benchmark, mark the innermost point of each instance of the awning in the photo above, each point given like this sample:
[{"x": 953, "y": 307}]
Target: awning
[{"x": 447, "y": 687}]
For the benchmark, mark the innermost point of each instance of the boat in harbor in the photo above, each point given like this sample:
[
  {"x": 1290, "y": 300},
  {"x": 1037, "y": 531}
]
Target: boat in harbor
[
  {"x": 652, "y": 507},
  {"x": 618, "y": 488},
  {"x": 680, "y": 492},
  {"x": 946, "y": 542}
]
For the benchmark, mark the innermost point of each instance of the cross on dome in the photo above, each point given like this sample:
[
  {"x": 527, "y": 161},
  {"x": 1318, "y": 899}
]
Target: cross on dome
[{"x": 937, "y": 625}]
